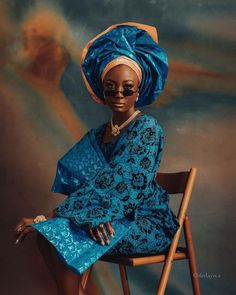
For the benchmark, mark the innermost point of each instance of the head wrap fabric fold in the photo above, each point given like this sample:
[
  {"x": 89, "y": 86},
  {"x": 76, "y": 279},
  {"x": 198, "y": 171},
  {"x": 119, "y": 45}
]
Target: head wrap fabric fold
[
  {"x": 135, "y": 41},
  {"x": 123, "y": 60}
]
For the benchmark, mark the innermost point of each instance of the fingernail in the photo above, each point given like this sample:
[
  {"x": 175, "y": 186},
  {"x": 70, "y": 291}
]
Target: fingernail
[
  {"x": 16, "y": 242},
  {"x": 102, "y": 243},
  {"x": 108, "y": 242},
  {"x": 112, "y": 235}
]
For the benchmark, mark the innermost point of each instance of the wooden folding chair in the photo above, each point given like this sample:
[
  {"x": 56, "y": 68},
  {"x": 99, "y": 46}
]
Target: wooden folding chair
[{"x": 174, "y": 183}]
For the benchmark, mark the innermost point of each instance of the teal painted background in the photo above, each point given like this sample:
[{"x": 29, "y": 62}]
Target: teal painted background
[{"x": 45, "y": 109}]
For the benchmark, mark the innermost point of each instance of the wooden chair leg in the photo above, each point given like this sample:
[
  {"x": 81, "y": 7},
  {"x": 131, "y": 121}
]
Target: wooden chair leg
[
  {"x": 168, "y": 263},
  {"x": 85, "y": 277},
  {"x": 192, "y": 257},
  {"x": 124, "y": 279}
]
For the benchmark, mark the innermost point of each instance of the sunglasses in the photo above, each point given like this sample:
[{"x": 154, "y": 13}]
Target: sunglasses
[{"x": 112, "y": 93}]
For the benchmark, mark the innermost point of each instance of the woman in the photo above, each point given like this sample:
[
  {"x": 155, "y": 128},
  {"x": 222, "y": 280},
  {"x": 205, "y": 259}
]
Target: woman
[{"x": 109, "y": 175}]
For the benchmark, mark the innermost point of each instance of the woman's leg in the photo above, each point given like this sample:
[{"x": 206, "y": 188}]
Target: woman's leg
[
  {"x": 68, "y": 283},
  {"x": 43, "y": 247}
]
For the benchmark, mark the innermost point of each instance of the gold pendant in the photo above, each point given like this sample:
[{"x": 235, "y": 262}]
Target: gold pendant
[{"x": 115, "y": 130}]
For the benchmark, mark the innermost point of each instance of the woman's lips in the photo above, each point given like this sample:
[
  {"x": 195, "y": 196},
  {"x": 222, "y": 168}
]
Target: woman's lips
[{"x": 118, "y": 104}]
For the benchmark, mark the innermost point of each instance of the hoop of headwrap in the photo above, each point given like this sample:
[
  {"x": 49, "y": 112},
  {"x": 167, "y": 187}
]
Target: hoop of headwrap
[
  {"x": 133, "y": 44},
  {"x": 123, "y": 60}
]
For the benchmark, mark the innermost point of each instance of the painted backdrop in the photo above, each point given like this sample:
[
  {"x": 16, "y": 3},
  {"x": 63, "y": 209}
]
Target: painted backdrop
[{"x": 45, "y": 109}]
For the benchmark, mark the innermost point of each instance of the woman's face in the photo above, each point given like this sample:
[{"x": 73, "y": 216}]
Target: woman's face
[{"x": 120, "y": 78}]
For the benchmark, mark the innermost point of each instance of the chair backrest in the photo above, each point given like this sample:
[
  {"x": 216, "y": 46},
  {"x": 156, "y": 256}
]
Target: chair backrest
[
  {"x": 173, "y": 183},
  {"x": 178, "y": 182}
]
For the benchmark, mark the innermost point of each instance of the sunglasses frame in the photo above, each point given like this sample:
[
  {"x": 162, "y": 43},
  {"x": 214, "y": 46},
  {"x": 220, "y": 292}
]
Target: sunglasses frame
[{"x": 125, "y": 93}]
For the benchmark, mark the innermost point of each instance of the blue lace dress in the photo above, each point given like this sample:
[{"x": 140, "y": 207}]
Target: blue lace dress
[
  {"x": 151, "y": 233},
  {"x": 111, "y": 182}
]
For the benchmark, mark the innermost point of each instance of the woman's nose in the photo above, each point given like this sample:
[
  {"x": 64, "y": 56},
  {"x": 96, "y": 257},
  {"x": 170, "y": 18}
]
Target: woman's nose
[
  {"x": 119, "y": 94},
  {"x": 120, "y": 91}
]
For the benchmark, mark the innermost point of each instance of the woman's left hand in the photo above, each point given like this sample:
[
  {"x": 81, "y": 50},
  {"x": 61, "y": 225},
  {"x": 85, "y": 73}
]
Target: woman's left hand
[
  {"x": 23, "y": 228},
  {"x": 101, "y": 233}
]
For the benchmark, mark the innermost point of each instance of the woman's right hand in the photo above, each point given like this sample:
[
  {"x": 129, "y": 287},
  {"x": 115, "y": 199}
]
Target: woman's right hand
[
  {"x": 101, "y": 232},
  {"x": 23, "y": 228}
]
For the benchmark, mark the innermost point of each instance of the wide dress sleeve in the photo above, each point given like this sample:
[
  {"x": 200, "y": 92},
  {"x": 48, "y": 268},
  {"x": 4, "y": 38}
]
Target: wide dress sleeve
[{"x": 117, "y": 190}]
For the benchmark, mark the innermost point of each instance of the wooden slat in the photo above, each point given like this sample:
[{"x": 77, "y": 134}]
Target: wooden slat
[{"x": 142, "y": 260}]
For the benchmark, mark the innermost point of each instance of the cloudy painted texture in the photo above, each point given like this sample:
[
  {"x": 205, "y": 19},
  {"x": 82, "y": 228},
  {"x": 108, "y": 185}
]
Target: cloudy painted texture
[{"x": 45, "y": 108}]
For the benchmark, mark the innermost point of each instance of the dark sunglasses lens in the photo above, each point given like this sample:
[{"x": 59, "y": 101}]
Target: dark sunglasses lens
[
  {"x": 110, "y": 92},
  {"x": 128, "y": 92}
]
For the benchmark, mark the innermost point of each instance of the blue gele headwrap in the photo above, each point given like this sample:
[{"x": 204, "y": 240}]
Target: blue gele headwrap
[{"x": 135, "y": 43}]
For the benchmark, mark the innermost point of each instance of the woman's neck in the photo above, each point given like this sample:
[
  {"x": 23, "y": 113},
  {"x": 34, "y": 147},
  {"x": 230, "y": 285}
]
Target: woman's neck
[{"x": 121, "y": 117}]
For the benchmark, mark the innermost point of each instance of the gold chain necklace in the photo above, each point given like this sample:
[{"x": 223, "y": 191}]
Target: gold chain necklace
[{"x": 116, "y": 129}]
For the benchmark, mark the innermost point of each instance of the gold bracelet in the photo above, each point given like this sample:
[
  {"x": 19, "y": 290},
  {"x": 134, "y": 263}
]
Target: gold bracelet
[{"x": 40, "y": 218}]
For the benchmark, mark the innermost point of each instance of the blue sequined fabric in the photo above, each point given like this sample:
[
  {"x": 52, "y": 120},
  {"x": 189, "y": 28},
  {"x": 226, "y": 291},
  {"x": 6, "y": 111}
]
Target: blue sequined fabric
[{"x": 124, "y": 188}]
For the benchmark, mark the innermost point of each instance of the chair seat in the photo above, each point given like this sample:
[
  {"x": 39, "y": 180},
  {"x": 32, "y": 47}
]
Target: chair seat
[{"x": 137, "y": 260}]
